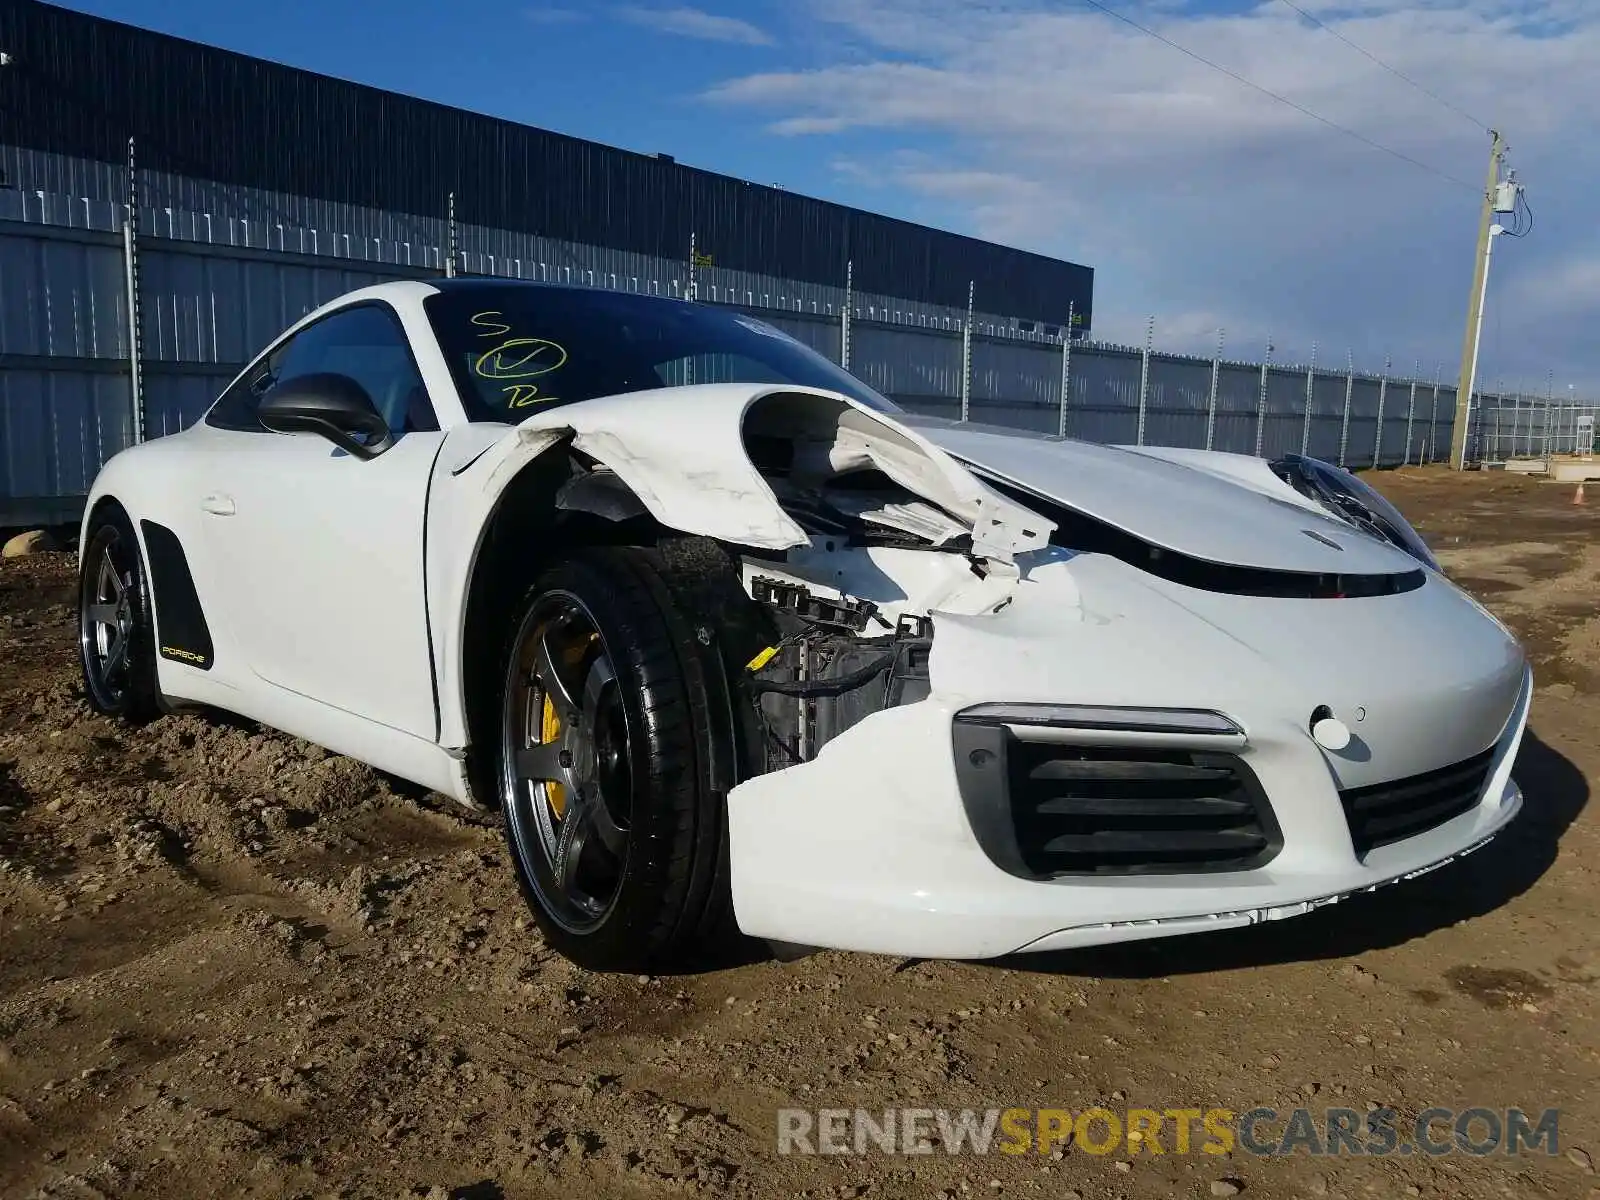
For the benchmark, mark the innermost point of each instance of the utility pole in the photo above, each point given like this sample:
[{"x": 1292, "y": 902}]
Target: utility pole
[{"x": 1480, "y": 281}]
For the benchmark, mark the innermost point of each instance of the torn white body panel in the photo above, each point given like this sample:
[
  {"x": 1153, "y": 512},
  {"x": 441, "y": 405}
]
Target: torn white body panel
[{"x": 691, "y": 468}]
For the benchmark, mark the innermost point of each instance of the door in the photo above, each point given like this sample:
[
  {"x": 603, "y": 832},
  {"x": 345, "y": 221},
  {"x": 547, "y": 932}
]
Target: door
[{"x": 320, "y": 553}]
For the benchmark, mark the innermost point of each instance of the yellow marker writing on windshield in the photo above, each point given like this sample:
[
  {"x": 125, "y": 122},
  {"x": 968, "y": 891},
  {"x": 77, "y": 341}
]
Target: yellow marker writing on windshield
[
  {"x": 479, "y": 320},
  {"x": 520, "y": 358},
  {"x": 520, "y": 395}
]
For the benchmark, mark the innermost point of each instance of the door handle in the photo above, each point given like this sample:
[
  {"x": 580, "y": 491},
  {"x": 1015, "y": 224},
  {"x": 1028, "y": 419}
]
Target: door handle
[{"x": 218, "y": 504}]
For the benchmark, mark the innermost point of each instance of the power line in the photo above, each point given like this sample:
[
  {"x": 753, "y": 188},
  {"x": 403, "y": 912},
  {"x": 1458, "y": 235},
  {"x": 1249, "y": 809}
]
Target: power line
[
  {"x": 1401, "y": 75},
  {"x": 1300, "y": 108}
]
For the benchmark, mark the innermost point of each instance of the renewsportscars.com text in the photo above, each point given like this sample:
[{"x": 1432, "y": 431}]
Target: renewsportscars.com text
[{"x": 1381, "y": 1132}]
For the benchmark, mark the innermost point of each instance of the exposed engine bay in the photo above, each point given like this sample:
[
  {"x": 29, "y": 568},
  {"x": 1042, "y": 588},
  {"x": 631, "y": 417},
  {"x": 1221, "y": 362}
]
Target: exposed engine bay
[
  {"x": 853, "y": 606},
  {"x": 828, "y": 671}
]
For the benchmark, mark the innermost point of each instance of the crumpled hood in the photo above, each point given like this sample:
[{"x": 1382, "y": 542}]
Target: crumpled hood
[{"x": 1177, "y": 507}]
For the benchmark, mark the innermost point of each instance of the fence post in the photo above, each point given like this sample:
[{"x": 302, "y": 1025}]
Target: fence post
[
  {"x": 130, "y": 262},
  {"x": 1433, "y": 417},
  {"x": 1144, "y": 378},
  {"x": 966, "y": 356},
  {"x": 1349, "y": 390},
  {"x": 450, "y": 238},
  {"x": 1549, "y": 402},
  {"x": 1411, "y": 412},
  {"x": 1066, "y": 369},
  {"x": 1383, "y": 396},
  {"x": 1261, "y": 401},
  {"x": 1489, "y": 451},
  {"x": 1311, "y": 384},
  {"x": 1211, "y": 399},
  {"x": 844, "y": 317}
]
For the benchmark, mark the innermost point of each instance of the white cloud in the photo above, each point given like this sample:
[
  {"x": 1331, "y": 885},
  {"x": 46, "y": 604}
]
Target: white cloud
[
  {"x": 1195, "y": 196},
  {"x": 697, "y": 23}
]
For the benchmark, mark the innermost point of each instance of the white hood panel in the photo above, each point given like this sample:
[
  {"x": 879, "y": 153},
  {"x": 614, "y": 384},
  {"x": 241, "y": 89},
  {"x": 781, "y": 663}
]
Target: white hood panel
[{"x": 1198, "y": 512}]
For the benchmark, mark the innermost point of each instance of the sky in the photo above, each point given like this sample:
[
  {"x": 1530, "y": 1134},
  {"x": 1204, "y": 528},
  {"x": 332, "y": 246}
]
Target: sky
[{"x": 1342, "y": 215}]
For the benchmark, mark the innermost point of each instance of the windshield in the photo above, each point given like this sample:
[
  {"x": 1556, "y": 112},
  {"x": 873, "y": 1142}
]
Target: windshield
[{"x": 517, "y": 348}]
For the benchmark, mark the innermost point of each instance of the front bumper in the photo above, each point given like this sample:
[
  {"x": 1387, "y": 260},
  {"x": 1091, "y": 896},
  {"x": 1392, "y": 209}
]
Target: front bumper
[
  {"x": 908, "y": 876},
  {"x": 869, "y": 847}
]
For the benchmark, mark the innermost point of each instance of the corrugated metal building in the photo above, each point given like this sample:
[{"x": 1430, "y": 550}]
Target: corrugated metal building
[
  {"x": 131, "y": 292},
  {"x": 81, "y": 86}
]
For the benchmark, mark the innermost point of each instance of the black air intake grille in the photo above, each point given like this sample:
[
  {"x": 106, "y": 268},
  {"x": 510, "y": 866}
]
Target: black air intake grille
[
  {"x": 1043, "y": 810},
  {"x": 1390, "y": 812}
]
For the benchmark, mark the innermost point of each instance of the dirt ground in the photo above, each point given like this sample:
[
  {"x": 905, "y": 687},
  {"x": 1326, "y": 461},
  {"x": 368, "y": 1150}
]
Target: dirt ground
[{"x": 233, "y": 964}]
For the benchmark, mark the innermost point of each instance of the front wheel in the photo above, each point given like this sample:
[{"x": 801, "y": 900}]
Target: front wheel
[
  {"x": 116, "y": 632},
  {"x": 612, "y": 765}
]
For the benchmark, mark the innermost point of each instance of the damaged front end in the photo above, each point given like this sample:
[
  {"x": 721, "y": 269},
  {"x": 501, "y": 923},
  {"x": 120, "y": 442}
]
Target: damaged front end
[
  {"x": 1147, "y": 636},
  {"x": 841, "y": 533},
  {"x": 893, "y": 534}
]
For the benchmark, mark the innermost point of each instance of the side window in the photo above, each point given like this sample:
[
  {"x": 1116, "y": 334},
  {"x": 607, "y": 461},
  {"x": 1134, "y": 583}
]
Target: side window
[{"x": 366, "y": 343}]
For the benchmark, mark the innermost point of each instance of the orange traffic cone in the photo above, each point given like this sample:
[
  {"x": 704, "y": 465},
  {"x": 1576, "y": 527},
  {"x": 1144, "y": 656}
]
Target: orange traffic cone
[{"x": 1577, "y": 496}]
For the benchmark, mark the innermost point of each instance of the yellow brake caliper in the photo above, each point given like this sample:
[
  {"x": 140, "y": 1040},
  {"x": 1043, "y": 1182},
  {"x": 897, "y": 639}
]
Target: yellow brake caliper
[{"x": 549, "y": 731}]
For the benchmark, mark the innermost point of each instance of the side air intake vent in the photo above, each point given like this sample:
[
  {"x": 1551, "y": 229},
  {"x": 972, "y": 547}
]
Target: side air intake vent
[
  {"x": 1043, "y": 810},
  {"x": 1390, "y": 812}
]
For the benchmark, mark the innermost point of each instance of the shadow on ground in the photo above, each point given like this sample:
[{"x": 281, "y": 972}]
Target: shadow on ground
[{"x": 1513, "y": 862}]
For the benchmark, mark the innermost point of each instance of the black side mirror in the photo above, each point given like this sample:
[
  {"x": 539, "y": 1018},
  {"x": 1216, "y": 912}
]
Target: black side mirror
[{"x": 334, "y": 406}]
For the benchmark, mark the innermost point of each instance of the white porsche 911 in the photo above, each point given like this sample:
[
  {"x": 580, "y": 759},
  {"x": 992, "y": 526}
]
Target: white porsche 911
[{"x": 738, "y": 645}]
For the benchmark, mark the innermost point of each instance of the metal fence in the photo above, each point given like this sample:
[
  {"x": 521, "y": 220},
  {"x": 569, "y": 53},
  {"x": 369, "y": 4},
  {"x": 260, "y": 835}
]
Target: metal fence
[
  {"x": 1522, "y": 426},
  {"x": 120, "y": 322}
]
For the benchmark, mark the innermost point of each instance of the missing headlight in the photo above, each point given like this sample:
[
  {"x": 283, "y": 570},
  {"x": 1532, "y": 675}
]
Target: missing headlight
[{"x": 1353, "y": 501}]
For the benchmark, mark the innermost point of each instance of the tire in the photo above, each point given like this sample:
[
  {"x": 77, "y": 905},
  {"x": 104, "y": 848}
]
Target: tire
[
  {"x": 616, "y": 820},
  {"x": 116, "y": 631}
]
